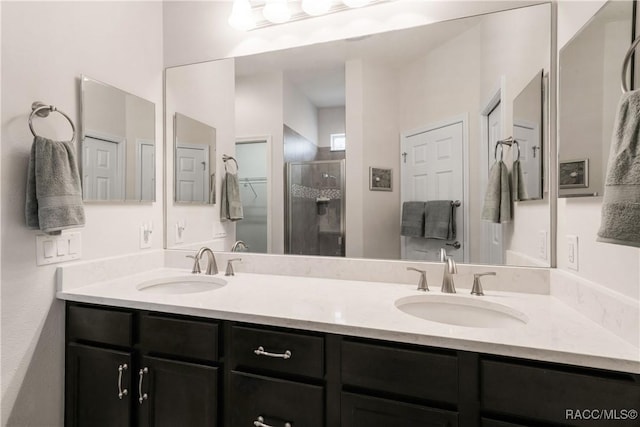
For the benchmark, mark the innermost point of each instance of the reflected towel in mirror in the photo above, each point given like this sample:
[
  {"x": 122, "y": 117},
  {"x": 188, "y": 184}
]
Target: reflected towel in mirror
[
  {"x": 497, "y": 200},
  {"x": 54, "y": 195},
  {"x": 621, "y": 203},
  {"x": 519, "y": 186},
  {"x": 230, "y": 202},
  {"x": 412, "y": 219},
  {"x": 440, "y": 220}
]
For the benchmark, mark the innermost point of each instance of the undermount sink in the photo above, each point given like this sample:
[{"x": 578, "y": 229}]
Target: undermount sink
[
  {"x": 188, "y": 284},
  {"x": 459, "y": 310}
]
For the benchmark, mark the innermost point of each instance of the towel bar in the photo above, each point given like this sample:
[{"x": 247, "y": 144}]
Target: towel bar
[
  {"x": 625, "y": 64},
  {"x": 42, "y": 110}
]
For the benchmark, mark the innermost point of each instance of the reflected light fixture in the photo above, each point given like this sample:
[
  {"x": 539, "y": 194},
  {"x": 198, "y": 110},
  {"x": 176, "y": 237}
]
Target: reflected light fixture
[
  {"x": 276, "y": 11},
  {"x": 249, "y": 14},
  {"x": 316, "y": 7},
  {"x": 241, "y": 17}
]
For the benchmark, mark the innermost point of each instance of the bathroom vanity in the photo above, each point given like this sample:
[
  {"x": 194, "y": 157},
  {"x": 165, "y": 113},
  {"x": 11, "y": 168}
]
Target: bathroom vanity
[{"x": 339, "y": 354}]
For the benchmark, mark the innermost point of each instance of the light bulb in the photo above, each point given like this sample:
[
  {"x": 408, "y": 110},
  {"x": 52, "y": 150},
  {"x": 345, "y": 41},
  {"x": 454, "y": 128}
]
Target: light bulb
[
  {"x": 356, "y": 3},
  {"x": 276, "y": 11},
  {"x": 316, "y": 7},
  {"x": 241, "y": 17}
]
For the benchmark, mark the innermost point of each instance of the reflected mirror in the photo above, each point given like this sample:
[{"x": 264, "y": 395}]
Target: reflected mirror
[
  {"x": 118, "y": 144},
  {"x": 588, "y": 93},
  {"x": 352, "y": 129},
  {"x": 529, "y": 135},
  {"x": 195, "y": 167}
]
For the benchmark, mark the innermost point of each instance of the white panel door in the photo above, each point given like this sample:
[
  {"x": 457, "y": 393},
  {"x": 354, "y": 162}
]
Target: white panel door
[
  {"x": 102, "y": 172},
  {"x": 493, "y": 241},
  {"x": 192, "y": 174},
  {"x": 432, "y": 169},
  {"x": 528, "y": 137}
]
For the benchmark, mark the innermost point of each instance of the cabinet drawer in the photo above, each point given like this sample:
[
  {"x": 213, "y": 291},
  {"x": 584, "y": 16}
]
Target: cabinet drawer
[
  {"x": 425, "y": 375},
  {"x": 195, "y": 339},
  {"x": 546, "y": 393},
  {"x": 276, "y": 401},
  {"x": 306, "y": 351},
  {"x": 374, "y": 412},
  {"x": 100, "y": 325}
]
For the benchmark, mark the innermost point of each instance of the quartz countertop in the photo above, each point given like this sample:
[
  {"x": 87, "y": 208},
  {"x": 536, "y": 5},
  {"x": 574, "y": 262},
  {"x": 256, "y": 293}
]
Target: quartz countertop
[{"x": 554, "y": 331}]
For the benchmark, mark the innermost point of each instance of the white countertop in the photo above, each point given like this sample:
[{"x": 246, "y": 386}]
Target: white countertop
[{"x": 554, "y": 332}]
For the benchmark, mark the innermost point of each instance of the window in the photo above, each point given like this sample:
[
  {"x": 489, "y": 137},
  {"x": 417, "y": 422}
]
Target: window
[{"x": 338, "y": 142}]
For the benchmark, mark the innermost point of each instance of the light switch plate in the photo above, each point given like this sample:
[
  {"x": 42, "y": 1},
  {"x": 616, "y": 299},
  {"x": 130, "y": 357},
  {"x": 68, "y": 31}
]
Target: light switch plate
[
  {"x": 572, "y": 252},
  {"x": 145, "y": 236},
  {"x": 55, "y": 249},
  {"x": 180, "y": 229}
]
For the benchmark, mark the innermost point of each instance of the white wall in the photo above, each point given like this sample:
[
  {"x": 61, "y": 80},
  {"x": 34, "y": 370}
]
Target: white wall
[
  {"x": 330, "y": 120},
  {"x": 616, "y": 268},
  {"x": 46, "y": 46},
  {"x": 217, "y": 109},
  {"x": 299, "y": 112},
  {"x": 259, "y": 112}
]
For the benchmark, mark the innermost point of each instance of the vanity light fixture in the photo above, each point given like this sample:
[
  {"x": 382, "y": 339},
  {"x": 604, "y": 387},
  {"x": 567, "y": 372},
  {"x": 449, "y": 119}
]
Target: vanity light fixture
[
  {"x": 277, "y": 11},
  {"x": 247, "y": 15}
]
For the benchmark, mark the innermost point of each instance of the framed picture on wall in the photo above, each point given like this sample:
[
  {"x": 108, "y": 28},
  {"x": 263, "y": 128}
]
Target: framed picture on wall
[
  {"x": 574, "y": 173},
  {"x": 379, "y": 179}
]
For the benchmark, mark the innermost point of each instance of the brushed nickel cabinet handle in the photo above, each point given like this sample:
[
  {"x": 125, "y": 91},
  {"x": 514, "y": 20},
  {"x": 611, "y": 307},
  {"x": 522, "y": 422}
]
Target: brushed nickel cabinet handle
[
  {"x": 142, "y": 396},
  {"x": 261, "y": 352},
  {"x": 121, "y": 392},
  {"x": 260, "y": 423}
]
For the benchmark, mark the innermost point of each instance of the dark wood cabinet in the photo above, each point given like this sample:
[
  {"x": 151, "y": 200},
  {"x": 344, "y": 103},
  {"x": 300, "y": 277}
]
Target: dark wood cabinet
[
  {"x": 365, "y": 411},
  {"x": 173, "y": 393},
  {"x": 137, "y": 368},
  {"x": 98, "y": 387}
]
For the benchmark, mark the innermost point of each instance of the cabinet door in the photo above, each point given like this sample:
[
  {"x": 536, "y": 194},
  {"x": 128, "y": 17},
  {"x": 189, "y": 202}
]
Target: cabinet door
[
  {"x": 364, "y": 411},
  {"x": 274, "y": 402},
  {"x": 177, "y": 394},
  {"x": 98, "y": 389}
]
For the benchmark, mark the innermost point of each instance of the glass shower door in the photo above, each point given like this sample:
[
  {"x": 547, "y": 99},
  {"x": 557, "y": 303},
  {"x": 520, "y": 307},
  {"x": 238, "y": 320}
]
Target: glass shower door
[{"x": 314, "y": 211}]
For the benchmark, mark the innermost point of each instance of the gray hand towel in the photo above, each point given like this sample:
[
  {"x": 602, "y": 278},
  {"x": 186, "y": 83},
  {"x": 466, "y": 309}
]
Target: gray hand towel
[
  {"x": 497, "y": 200},
  {"x": 412, "y": 219},
  {"x": 519, "y": 188},
  {"x": 621, "y": 203},
  {"x": 231, "y": 205},
  {"x": 54, "y": 194},
  {"x": 439, "y": 220}
]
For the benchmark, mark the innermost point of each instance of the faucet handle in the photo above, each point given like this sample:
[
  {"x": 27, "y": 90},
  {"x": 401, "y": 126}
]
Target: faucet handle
[
  {"x": 442, "y": 255},
  {"x": 477, "y": 286},
  {"x": 229, "y": 271},
  {"x": 196, "y": 264},
  {"x": 422, "y": 283}
]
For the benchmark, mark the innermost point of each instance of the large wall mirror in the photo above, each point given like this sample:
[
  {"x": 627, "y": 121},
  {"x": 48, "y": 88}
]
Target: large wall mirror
[
  {"x": 118, "y": 144},
  {"x": 588, "y": 93},
  {"x": 346, "y": 132},
  {"x": 195, "y": 164}
]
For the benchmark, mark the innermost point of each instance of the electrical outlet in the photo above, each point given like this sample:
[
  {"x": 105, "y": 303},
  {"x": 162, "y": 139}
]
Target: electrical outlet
[
  {"x": 572, "y": 252},
  {"x": 146, "y": 231},
  {"x": 542, "y": 244},
  {"x": 180, "y": 227}
]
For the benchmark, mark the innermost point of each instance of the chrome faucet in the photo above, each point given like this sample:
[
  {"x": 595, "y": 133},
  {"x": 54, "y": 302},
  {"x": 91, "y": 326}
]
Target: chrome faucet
[
  {"x": 477, "y": 286},
  {"x": 450, "y": 268},
  {"x": 212, "y": 267},
  {"x": 239, "y": 245}
]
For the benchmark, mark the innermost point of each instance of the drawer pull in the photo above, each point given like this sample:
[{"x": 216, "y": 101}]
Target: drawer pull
[
  {"x": 260, "y": 423},
  {"x": 142, "y": 396},
  {"x": 260, "y": 352},
  {"x": 121, "y": 392}
]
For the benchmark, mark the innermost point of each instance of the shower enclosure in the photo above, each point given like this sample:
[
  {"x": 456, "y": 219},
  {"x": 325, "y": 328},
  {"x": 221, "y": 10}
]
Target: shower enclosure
[{"x": 314, "y": 208}]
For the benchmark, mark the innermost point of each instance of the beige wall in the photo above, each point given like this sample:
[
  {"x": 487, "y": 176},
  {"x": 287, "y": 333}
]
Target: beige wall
[{"x": 103, "y": 40}]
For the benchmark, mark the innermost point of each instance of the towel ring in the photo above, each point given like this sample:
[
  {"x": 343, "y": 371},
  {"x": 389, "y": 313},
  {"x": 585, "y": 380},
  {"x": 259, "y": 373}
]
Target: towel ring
[
  {"x": 225, "y": 158},
  {"x": 626, "y": 62},
  {"x": 510, "y": 142},
  {"x": 42, "y": 110}
]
